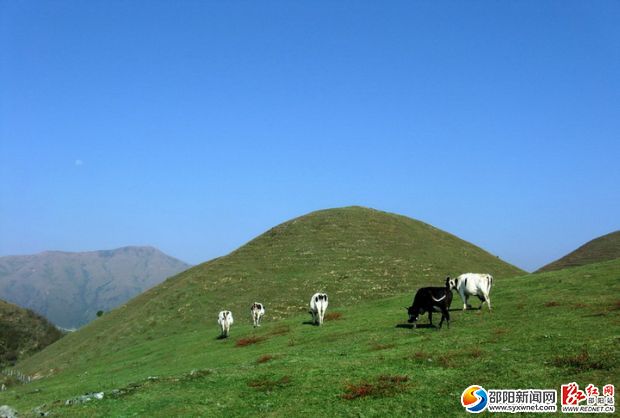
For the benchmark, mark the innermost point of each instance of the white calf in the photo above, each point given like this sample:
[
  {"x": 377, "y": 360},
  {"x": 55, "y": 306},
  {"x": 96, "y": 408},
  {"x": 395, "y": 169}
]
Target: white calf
[
  {"x": 318, "y": 306},
  {"x": 257, "y": 310},
  {"x": 473, "y": 284},
  {"x": 225, "y": 319}
]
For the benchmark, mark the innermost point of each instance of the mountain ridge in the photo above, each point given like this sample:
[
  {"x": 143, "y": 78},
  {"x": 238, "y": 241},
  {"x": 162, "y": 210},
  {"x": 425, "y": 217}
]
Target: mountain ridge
[{"x": 69, "y": 288}]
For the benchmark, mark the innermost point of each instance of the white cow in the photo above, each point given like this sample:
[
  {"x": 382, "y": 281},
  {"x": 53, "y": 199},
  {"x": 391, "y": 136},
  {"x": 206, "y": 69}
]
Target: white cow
[
  {"x": 318, "y": 306},
  {"x": 225, "y": 319},
  {"x": 257, "y": 310},
  {"x": 473, "y": 284}
]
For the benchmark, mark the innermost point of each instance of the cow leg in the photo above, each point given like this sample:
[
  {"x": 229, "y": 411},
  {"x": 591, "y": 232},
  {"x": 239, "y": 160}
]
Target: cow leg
[
  {"x": 488, "y": 301},
  {"x": 465, "y": 299},
  {"x": 430, "y": 316},
  {"x": 445, "y": 314}
]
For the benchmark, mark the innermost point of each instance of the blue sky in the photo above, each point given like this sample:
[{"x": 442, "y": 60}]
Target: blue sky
[{"x": 194, "y": 126}]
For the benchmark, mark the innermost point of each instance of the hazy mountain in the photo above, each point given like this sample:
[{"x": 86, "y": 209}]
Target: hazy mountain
[
  {"x": 604, "y": 248},
  {"x": 69, "y": 288}
]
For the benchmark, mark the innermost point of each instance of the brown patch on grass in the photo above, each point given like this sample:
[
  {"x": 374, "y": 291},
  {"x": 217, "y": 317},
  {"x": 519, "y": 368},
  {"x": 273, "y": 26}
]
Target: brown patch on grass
[
  {"x": 475, "y": 352},
  {"x": 420, "y": 357},
  {"x": 500, "y": 331},
  {"x": 583, "y": 361},
  {"x": 580, "y": 305},
  {"x": 453, "y": 358},
  {"x": 520, "y": 305},
  {"x": 264, "y": 358},
  {"x": 446, "y": 360},
  {"x": 280, "y": 330},
  {"x": 615, "y": 306},
  {"x": 497, "y": 333},
  {"x": 265, "y": 384},
  {"x": 551, "y": 304},
  {"x": 242, "y": 342},
  {"x": 333, "y": 316},
  {"x": 383, "y": 386},
  {"x": 379, "y": 346}
]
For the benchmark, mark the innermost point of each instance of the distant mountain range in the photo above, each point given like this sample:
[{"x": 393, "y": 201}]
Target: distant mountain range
[
  {"x": 70, "y": 288},
  {"x": 604, "y": 248}
]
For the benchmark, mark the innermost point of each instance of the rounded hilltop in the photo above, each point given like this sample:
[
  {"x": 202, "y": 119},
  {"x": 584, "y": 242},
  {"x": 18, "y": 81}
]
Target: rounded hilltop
[{"x": 353, "y": 253}]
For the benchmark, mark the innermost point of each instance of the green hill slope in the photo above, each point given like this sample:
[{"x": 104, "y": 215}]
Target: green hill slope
[
  {"x": 23, "y": 332},
  {"x": 600, "y": 249},
  {"x": 544, "y": 331},
  {"x": 353, "y": 253}
]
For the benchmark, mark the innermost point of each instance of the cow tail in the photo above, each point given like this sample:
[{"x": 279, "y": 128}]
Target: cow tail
[{"x": 490, "y": 284}]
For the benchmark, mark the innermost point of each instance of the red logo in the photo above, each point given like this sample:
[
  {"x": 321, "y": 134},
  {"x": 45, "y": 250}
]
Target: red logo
[
  {"x": 572, "y": 395},
  {"x": 591, "y": 390}
]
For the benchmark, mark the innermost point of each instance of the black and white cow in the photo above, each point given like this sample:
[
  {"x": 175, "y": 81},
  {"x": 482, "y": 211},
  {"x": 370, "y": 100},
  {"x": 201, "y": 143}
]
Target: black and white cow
[
  {"x": 225, "y": 319},
  {"x": 257, "y": 310},
  {"x": 318, "y": 306},
  {"x": 473, "y": 284},
  {"x": 429, "y": 299}
]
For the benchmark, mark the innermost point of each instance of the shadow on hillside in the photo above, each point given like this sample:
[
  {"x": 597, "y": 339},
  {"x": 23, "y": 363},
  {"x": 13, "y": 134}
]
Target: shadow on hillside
[
  {"x": 221, "y": 337},
  {"x": 309, "y": 323}
]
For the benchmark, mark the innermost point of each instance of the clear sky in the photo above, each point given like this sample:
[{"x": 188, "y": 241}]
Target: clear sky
[{"x": 194, "y": 126}]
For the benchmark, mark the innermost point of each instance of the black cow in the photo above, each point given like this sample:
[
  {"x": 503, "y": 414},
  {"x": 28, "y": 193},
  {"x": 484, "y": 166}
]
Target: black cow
[{"x": 429, "y": 299}]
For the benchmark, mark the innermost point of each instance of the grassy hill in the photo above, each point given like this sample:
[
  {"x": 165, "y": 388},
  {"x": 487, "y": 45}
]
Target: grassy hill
[
  {"x": 544, "y": 331},
  {"x": 69, "y": 288},
  {"x": 355, "y": 254},
  {"x": 600, "y": 249},
  {"x": 23, "y": 332}
]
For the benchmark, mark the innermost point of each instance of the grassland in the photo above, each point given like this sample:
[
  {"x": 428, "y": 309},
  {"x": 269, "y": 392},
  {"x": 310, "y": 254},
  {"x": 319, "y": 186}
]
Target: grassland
[
  {"x": 22, "y": 332},
  {"x": 355, "y": 254},
  {"x": 604, "y": 248},
  {"x": 546, "y": 329}
]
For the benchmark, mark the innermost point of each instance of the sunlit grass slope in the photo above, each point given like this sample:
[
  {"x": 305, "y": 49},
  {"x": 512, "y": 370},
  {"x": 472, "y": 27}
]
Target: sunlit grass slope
[
  {"x": 355, "y": 254},
  {"x": 604, "y": 248},
  {"x": 546, "y": 329}
]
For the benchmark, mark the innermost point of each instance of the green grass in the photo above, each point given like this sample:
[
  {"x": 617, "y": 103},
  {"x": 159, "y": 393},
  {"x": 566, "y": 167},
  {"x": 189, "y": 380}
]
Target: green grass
[
  {"x": 22, "y": 332},
  {"x": 604, "y": 248},
  {"x": 546, "y": 329},
  {"x": 354, "y": 254}
]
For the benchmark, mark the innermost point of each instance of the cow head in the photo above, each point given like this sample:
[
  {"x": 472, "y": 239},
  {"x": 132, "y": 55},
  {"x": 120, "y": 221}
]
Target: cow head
[
  {"x": 413, "y": 314},
  {"x": 450, "y": 283}
]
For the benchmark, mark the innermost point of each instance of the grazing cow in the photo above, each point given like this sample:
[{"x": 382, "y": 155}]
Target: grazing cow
[
  {"x": 473, "y": 284},
  {"x": 429, "y": 299},
  {"x": 225, "y": 319},
  {"x": 318, "y": 306},
  {"x": 257, "y": 310}
]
